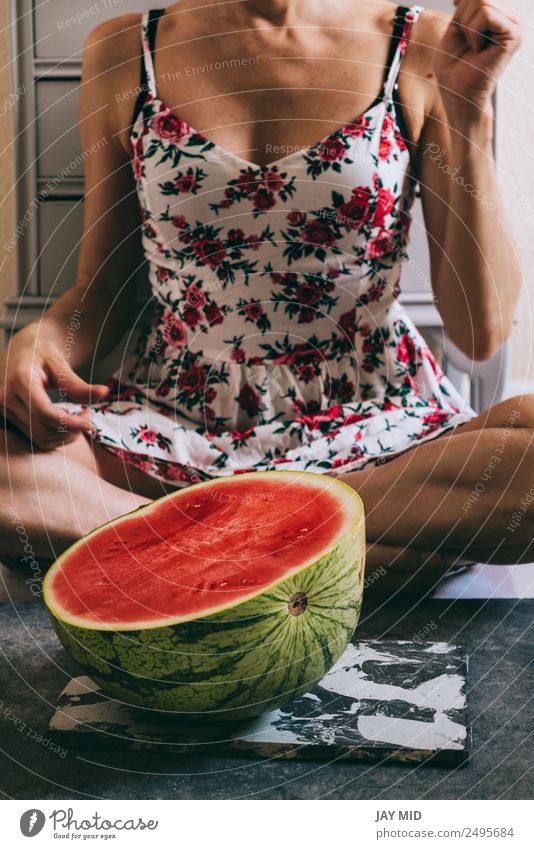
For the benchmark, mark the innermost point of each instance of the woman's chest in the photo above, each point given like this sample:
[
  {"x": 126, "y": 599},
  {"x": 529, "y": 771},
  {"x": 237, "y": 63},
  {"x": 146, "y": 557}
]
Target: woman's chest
[{"x": 256, "y": 98}]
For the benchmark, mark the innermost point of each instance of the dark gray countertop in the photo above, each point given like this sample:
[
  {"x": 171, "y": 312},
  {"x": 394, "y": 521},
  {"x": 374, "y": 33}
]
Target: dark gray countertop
[{"x": 498, "y": 634}]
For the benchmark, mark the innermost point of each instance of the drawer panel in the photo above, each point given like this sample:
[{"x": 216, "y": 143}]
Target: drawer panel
[
  {"x": 60, "y": 230},
  {"x": 62, "y": 26},
  {"x": 58, "y": 136}
]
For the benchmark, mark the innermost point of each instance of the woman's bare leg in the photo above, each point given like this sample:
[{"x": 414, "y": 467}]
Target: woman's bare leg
[
  {"x": 458, "y": 493},
  {"x": 53, "y": 497},
  {"x": 424, "y": 509}
]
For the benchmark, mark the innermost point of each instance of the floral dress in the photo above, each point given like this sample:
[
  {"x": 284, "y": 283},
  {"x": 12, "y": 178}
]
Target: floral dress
[{"x": 277, "y": 340}]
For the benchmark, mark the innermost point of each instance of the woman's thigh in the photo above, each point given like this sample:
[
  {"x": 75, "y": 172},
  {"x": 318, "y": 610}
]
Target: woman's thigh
[
  {"x": 516, "y": 412},
  {"x": 110, "y": 467},
  {"x": 459, "y": 491}
]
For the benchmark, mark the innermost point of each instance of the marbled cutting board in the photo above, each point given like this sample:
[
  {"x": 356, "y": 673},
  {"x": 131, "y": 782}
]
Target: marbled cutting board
[{"x": 383, "y": 700}]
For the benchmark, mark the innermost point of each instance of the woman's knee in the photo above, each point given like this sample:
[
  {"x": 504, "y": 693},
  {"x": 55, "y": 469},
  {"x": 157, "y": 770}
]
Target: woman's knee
[
  {"x": 516, "y": 412},
  {"x": 18, "y": 451},
  {"x": 12, "y": 442}
]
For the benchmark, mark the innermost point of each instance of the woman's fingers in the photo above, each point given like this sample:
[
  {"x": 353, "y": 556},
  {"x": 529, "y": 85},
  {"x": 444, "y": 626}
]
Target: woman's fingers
[
  {"x": 42, "y": 409},
  {"x": 47, "y": 424},
  {"x": 25, "y": 399},
  {"x": 462, "y": 20},
  {"x": 72, "y": 385},
  {"x": 37, "y": 433},
  {"x": 470, "y": 6},
  {"x": 482, "y": 23},
  {"x": 476, "y": 47}
]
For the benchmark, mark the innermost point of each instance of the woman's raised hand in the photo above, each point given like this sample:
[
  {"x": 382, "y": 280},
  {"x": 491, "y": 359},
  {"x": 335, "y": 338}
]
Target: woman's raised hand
[{"x": 476, "y": 47}]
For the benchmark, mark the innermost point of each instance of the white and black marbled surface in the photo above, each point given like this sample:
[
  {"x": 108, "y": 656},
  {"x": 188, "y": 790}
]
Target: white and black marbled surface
[{"x": 398, "y": 700}]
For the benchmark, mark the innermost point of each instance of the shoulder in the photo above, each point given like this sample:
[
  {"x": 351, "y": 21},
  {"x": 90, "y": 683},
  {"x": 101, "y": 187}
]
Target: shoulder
[
  {"x": 111, "y": 73},
  {"x": 112, "y": 44},
  {"x": 425, "y": 45},
  {"x": 426, "y": 37}
]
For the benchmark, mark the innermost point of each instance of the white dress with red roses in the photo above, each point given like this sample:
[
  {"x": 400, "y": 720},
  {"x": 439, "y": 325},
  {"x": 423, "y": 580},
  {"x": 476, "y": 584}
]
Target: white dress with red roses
[{"x": 278, "y": 340}]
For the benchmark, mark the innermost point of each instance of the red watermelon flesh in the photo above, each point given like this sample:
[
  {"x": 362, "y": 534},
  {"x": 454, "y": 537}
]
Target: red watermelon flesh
[{"x": 203, "y": 548}]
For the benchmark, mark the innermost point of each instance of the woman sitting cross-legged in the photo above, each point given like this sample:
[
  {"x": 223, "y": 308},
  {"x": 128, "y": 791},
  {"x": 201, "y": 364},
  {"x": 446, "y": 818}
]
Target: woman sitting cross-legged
[{"x": 263, "y": 158}]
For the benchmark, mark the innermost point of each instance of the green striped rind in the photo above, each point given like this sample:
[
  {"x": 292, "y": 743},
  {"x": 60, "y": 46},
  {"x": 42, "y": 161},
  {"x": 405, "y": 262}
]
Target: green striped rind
[{"x": 237, "y": 662}]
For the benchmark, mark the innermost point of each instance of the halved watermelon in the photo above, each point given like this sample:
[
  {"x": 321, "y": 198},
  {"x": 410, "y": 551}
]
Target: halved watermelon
[{"x": 226, "y": 598}]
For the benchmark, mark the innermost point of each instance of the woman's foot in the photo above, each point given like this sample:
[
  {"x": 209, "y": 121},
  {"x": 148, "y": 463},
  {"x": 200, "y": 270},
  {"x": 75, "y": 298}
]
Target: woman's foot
[{"x": 393, "y": 572}]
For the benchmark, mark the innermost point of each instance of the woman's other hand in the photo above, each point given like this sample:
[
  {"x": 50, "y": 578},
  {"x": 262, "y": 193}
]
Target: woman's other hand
[
  {"x": 27, "y": 372},
  {"x": 479, "y": 42}
]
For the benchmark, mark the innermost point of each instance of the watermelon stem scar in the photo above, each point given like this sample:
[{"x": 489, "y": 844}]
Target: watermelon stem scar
[
  {"x": 193, "y": 604},
  {"x": 298, "y": 603}
]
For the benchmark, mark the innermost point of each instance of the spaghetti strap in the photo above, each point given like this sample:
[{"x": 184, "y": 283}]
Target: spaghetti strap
[
  {"x": 149, "y": 24},
  {"x": 147, "y": 84},
  {"x": 405, "y": 18}
]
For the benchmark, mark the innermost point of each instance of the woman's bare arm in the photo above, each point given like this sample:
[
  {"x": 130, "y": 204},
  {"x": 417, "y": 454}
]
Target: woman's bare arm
[
  {"x": 476, "y": 275},
  {"x": 110, "y": 251},
  {"x": 103, "y": 298}
]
